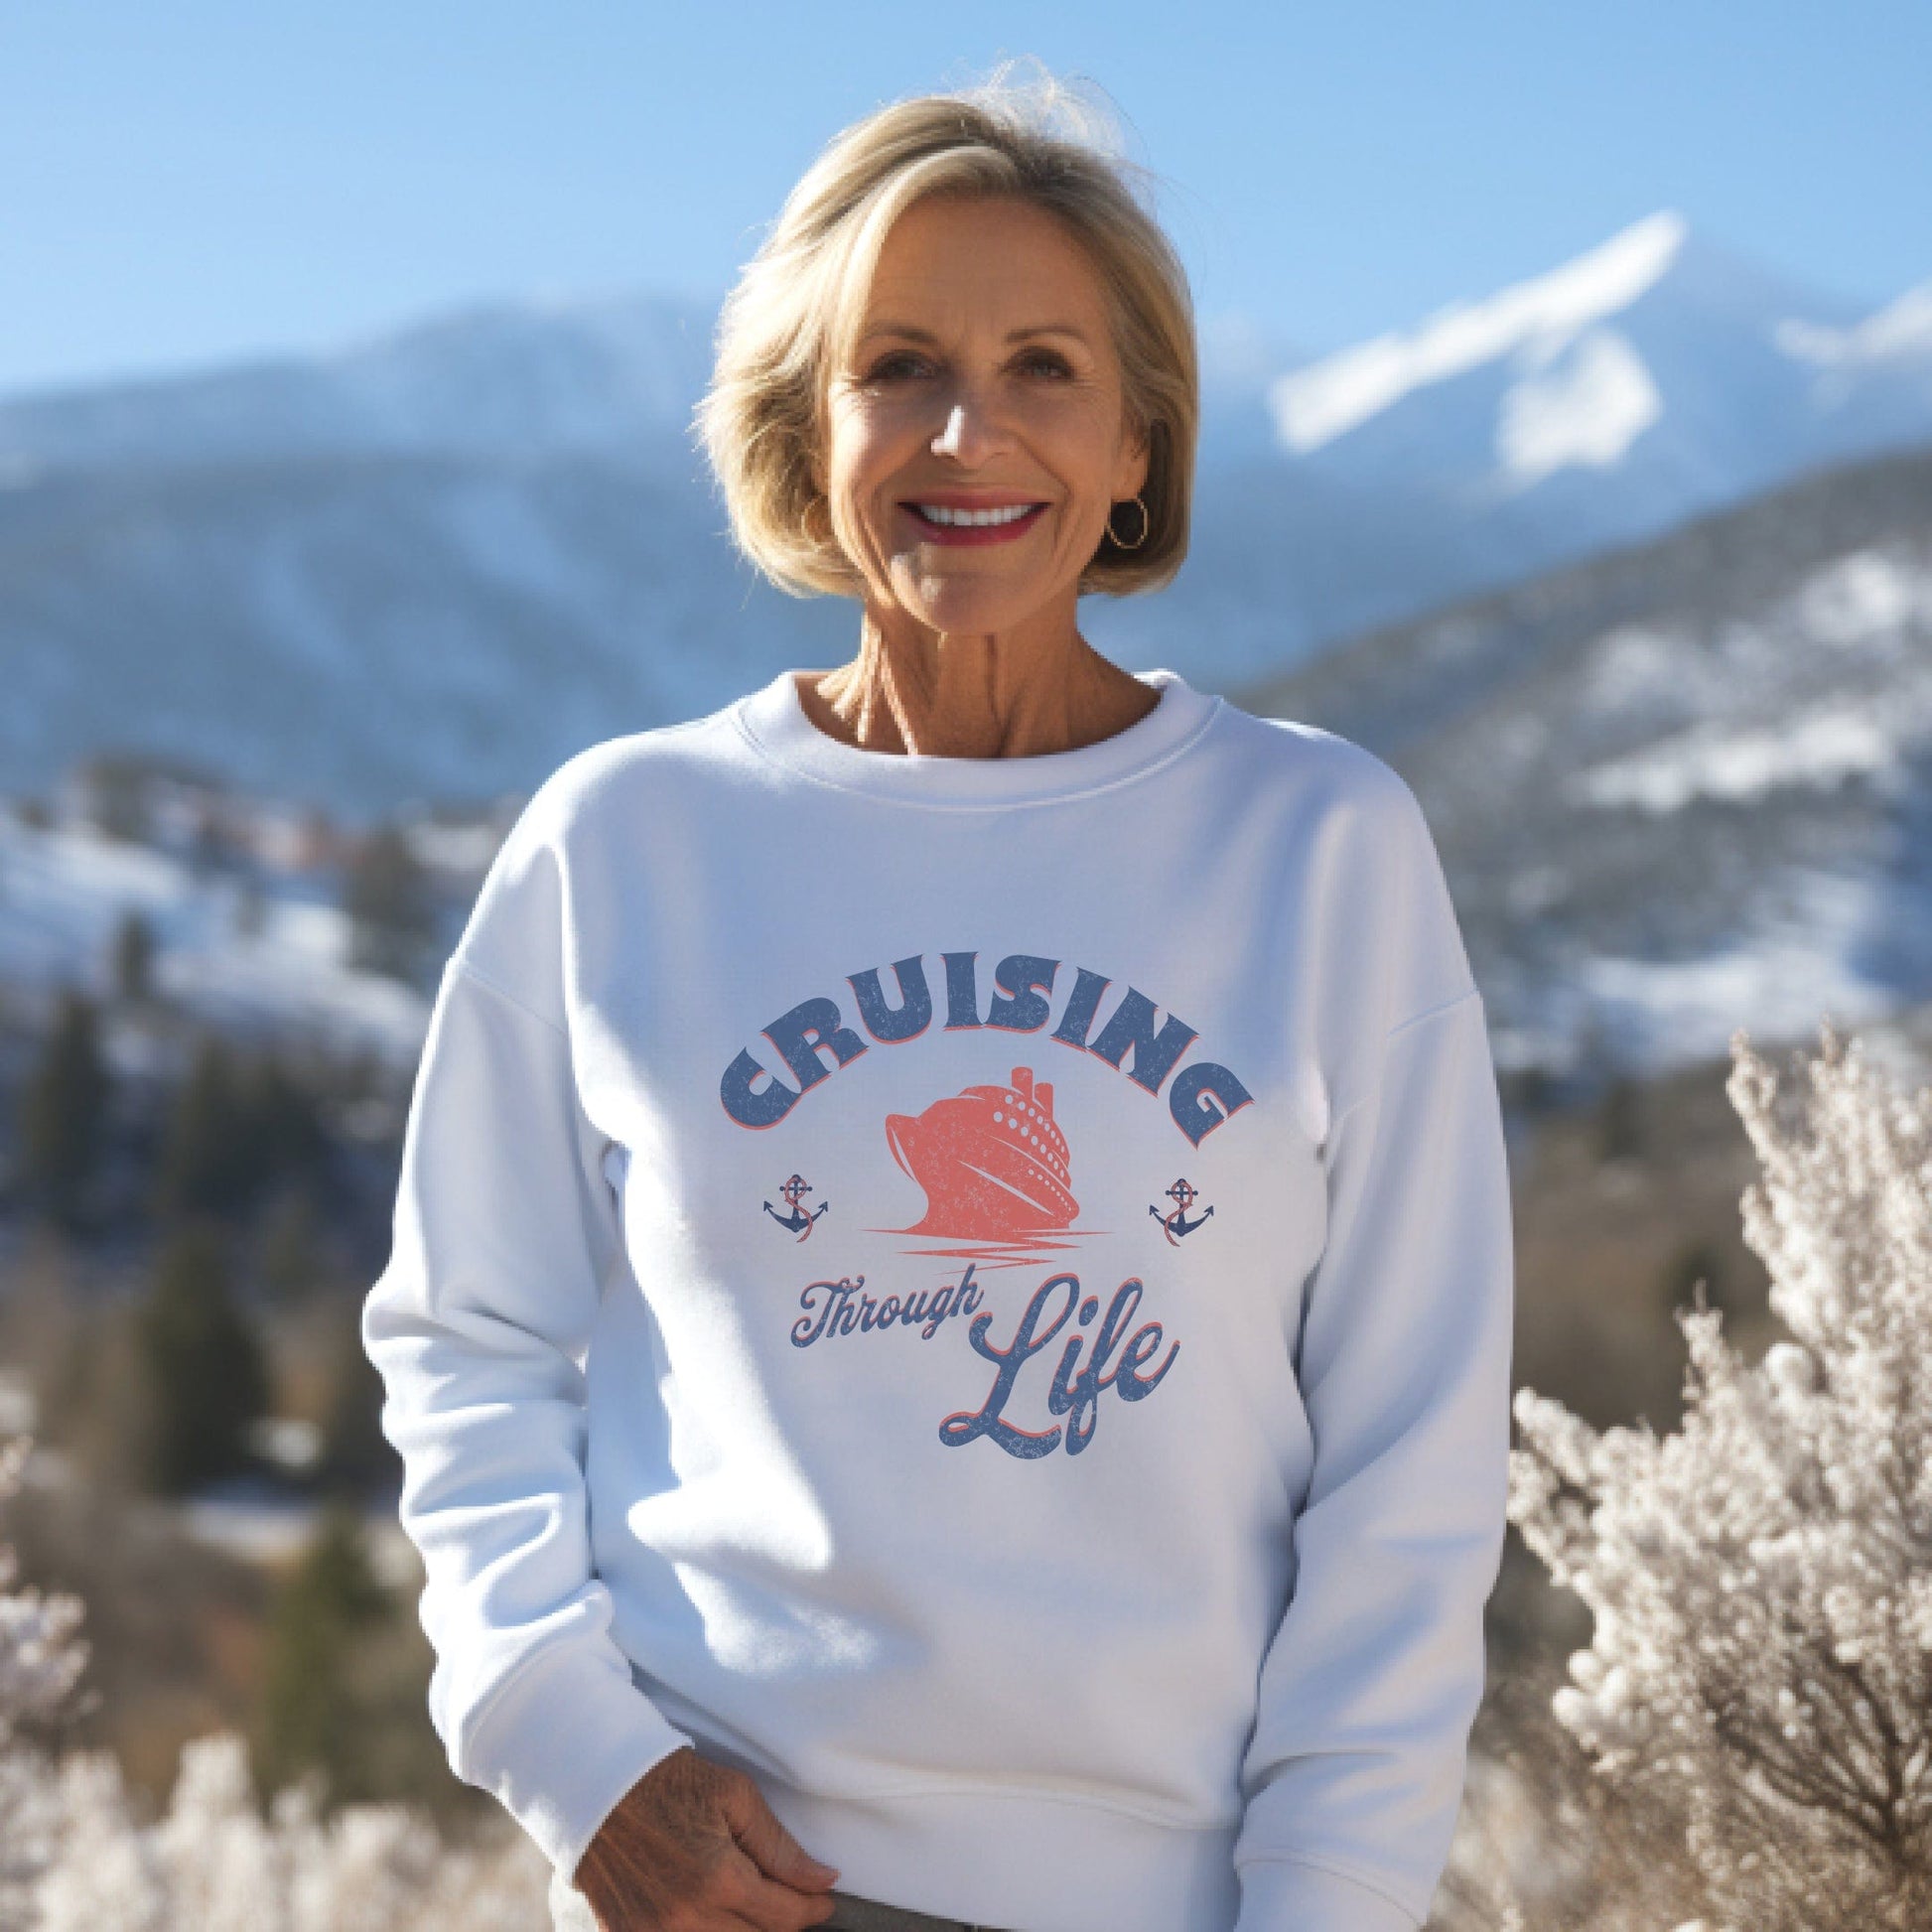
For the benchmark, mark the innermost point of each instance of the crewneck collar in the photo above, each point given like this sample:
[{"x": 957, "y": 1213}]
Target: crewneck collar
[{"x": 776, "y": 722}]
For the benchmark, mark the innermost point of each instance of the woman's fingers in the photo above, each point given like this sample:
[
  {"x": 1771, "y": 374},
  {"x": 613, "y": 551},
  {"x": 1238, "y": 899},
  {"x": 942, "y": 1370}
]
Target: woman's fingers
[
  {"x": 768, "y": 1844},
  {"x": 693, "y": 1847},
  {"x": 767, "y": 1903}
]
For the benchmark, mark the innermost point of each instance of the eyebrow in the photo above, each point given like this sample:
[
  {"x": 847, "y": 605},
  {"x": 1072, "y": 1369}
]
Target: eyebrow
[{"x": 916, "y": 335}]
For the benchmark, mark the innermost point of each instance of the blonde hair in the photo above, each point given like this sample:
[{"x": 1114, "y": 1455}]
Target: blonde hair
[{"x": 796, "y": 305}]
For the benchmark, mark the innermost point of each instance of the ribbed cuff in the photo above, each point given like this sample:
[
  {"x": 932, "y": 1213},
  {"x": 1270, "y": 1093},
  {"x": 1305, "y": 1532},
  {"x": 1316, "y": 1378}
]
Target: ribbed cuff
[
  {"x": 1285, "y": 1896},
  {"x": 560, "y": 1749}
]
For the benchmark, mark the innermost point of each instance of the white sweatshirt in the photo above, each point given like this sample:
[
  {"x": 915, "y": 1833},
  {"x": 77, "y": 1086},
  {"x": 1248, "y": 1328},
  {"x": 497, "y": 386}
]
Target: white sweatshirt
[{"x": 977, "y": 1291}]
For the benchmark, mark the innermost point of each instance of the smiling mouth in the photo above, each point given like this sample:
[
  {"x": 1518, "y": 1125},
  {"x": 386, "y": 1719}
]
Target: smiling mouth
[{"x": 945, "y": 525}]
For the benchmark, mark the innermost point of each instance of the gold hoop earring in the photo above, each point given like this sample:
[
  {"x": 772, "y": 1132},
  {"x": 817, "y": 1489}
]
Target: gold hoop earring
[{"x": 1147, "y": 523}]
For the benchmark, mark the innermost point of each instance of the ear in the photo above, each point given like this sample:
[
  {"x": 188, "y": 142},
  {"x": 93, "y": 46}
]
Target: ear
[{"x": 1131, "y": 473}]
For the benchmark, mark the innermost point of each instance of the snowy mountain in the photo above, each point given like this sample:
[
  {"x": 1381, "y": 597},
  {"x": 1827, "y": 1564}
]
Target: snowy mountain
[
  {"x": 1678, "y": 788},
  {"x": 1645, "y": 380},
  {"x": 1681, "y": 787},
  {"x": 437, "y": 562},
  {"x": 531, "y": 380},
  {"x": 1654, "y": 378},
  {"x": 360, "y": 630}
]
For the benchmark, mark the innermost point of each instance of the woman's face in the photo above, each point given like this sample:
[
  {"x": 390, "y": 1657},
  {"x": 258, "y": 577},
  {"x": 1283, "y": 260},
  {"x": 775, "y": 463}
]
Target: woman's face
[{"x": 984, "y": 376}]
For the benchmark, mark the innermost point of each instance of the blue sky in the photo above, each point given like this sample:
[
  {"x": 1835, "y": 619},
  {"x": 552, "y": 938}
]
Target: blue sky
[{"x": 188, "y": 182}]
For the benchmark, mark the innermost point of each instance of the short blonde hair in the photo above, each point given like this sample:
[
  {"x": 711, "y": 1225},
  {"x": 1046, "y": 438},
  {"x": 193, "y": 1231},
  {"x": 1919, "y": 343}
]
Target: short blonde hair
[{"x": 796, "y": 305}]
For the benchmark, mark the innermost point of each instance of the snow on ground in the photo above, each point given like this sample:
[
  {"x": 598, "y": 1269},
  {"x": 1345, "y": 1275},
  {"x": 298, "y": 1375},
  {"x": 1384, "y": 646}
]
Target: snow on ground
[
  {"x": 274, "y": 1531},
  {"x": 1712, "y": 761},
  {"x": 1862, "y": 596},
  {"x": 1833, "y": 682},
  {"x": 1786, "y": 976},
  {"x": 253, "y": 1523},
  {"x": 64, "y": 891}
]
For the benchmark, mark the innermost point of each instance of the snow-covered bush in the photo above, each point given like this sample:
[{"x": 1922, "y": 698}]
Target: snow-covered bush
[
  {"x": 42, "y": 1656},
  {"x": 214, "y": 1863},
  {"x": 75, "y": 1858},
  {"x": 1759, "y": 1685}
]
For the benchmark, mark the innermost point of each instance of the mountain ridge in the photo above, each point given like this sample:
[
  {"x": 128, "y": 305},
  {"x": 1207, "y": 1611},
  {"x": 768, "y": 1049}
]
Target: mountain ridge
[{"x": 440, "y": 558}]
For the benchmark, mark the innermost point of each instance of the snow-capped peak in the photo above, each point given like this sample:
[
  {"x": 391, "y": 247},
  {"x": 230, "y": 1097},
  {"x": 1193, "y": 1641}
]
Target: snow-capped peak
[
  {"x": 1315, "y": 405},
  {"x": 1900, "y": 329}
]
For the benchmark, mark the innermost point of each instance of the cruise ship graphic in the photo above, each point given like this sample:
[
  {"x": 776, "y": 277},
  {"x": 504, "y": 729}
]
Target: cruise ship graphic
[{"x": 992, "y": 1161}]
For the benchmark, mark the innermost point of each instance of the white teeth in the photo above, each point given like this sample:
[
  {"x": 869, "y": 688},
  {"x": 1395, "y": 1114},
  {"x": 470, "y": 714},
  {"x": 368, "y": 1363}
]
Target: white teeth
[{"x": 939, "y": 513}]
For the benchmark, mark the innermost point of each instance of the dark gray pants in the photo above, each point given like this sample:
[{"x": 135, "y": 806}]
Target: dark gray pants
[{"x": 570, "y": 1911}]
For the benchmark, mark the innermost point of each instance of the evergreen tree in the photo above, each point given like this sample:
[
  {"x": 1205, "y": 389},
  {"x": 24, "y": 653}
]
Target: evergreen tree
[
  {"x": 356, "y": 1456},
  {"x": 311, "y": 1717},
  {"x": 290, "y": 1259},
  {"x": 81, "y": 1848},
  {"x": 1619, "y": 1121},
  {"x": 282, "y": 1121},
  {"x": 236, "y": 1125},
  {"x": 104, "y": 1411},
  {"x": 134, "y": 957},
  {"x": 206, "y": 1369},
  {"x": 390, "y": 906},
  {"x": 63, "y": 1116},
  {"x": 207, "y": 1161}
]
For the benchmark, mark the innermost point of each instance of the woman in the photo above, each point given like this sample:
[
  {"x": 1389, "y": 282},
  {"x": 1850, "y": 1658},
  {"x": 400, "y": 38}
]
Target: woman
[{"x": 950, "y": 1314}]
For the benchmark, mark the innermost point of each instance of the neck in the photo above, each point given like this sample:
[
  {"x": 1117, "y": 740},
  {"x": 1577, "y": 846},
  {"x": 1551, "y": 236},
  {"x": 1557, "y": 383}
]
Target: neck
[{"x": 961, "y": 694}]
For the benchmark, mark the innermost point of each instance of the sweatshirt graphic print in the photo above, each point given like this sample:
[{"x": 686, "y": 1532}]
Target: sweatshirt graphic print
[
  {"x": 994, "y": 1172},
  {"x": 1000, "y": 1328}
]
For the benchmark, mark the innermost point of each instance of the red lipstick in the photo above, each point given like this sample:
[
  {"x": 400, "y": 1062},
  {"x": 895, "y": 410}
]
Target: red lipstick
[{"x": 967, "y": 534}]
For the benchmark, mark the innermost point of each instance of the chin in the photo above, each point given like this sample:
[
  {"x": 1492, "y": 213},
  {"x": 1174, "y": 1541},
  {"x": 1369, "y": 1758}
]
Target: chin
[{"x": 959, "y": 608}]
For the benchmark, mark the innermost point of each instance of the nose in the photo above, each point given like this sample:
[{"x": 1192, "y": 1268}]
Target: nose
[{"x": 974, "y": 428}]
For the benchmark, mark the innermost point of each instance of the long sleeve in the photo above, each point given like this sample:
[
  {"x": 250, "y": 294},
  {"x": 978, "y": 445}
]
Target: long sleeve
[
  {"x": 1353, "y": 1778},
  {"x": 505, "y": 1232}
]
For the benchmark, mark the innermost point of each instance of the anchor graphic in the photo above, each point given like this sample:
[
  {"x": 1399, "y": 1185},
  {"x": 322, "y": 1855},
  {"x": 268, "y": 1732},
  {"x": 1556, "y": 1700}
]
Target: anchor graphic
[
  {"x": 797, "y": 1221},
  {"x": 1176, "y": 1224}
]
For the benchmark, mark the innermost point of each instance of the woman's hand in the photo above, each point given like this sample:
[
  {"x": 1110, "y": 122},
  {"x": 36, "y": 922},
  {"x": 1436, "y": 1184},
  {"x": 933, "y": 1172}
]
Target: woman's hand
[{"x": 692, "y": 1847}]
